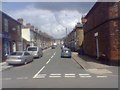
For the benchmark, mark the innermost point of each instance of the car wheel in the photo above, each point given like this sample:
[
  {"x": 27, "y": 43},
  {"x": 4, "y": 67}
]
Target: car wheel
[
  {"x": 32, "y": 60},
  {"x": 42, "y": 55},
  {"x": 25, "y": 62}
]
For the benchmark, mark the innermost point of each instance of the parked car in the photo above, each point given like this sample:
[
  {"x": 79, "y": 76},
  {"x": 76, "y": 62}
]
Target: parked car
[
  {"x": 19, "y": 57},
  {"x": 35, "y": 51},
  {"x": 53, "y": 46},
  {"x": 62, "y": 47},
  {"x": 65, "y": 52}
]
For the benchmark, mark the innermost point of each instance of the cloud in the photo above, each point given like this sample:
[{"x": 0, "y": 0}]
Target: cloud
[
  {"x": 52, "y": 18},
  {"x": 58, "y": 6}
]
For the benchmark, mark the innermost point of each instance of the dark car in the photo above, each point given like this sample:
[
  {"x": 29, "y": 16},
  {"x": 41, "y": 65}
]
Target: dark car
[
  {"x": 65, "y": 52},
  {"x": 53, "y": 46}
]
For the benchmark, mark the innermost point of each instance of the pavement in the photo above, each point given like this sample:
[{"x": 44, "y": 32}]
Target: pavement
[{"x": 94, "y": 66}]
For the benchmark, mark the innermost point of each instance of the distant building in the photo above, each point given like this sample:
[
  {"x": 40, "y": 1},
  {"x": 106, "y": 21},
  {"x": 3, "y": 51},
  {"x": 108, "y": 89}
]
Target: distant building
[
  {"x": 75, "y": 38},
  {"x": 10, "y": 34},
  {"x": 31, "y": 36},
  {"x": 102, "y": 32}
]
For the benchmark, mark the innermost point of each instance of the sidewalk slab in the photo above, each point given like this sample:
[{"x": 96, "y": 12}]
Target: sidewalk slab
[
  {"x": 3, "y": 63},
  {"x": 81, "y": 62},
  {"x": 90, "y": 66}
]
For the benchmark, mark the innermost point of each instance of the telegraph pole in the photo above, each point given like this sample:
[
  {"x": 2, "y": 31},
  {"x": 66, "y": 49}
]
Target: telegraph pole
[{"x": 66, "y": 31}]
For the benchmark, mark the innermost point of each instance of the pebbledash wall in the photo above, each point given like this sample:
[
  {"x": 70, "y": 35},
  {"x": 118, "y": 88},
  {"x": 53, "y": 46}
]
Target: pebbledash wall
[{"x": 102, "y": 32}]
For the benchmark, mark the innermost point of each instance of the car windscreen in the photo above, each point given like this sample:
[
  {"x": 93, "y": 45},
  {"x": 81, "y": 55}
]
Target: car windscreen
[
  {"x": 16, "y": 53},
  {"x": 32, "y": 49}
]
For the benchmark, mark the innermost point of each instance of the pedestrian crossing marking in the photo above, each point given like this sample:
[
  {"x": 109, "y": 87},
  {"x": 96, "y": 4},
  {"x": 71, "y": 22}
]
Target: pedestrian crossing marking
[
  {"x": 54, "y": 76},
  {"x": 41, "y": 76},
  {"x": 71, "y": 75},
  {"x": 85, "y": 76}
]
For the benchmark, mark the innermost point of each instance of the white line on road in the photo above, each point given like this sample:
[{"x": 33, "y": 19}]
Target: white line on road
[
  {"x": 41, "y": 76},
  {"x": 52, "y": 56},
  {"x": 38, "y": 72},
  {"x": 54, "y": 53},
  {"x": 48, "y": 61},
  {"x": 83, "y": 74},
  {"x": 101, "y": 76},
  {"x": 69, "y": 74},
  {"x": 55, "y": 74}
]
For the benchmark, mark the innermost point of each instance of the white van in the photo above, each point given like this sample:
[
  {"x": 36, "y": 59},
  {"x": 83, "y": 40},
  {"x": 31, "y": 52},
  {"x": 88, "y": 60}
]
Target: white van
[{"x": 35, "y": 51}]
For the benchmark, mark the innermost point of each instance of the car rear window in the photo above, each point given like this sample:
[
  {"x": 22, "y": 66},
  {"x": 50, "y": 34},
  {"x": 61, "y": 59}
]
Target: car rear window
[
  {"x": 32, "y": 49},
  {"x": 66, "y": 50},
  {"x": 16, "y": 53}
]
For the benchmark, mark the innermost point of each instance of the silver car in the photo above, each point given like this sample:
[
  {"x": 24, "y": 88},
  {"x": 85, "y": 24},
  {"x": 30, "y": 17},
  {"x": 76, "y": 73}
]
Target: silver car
[
  {"x": 19, "y": 57},
  {"x": 35, "y": 51},
  {"x": 65, "y": 52}
]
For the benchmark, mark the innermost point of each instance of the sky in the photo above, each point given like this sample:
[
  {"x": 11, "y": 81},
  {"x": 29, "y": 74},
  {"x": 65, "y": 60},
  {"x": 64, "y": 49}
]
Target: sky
[{"x": 50, "y": 17}]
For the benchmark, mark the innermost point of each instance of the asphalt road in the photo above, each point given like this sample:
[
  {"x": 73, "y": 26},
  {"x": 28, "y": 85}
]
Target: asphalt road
[{"x": 52, "y": 71}]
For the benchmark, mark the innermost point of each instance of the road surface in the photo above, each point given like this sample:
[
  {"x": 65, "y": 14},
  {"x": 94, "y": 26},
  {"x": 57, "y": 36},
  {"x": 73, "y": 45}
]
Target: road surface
[{"x": 52, "y": 71}]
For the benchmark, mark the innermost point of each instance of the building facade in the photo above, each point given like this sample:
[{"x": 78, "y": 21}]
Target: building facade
[
  {"x": 75, "y": 38},
  {"x": 31, "y": 36},
  {"x": 10, "y": 35},
  {"x": 102, "y": 32}
]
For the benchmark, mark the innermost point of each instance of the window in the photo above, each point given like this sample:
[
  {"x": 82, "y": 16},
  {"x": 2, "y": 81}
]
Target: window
[
  {"x": 5, "y": 25},
  {"x": 32, "y": 49},
  {"x": 16, "y": 53},
  {"x": 26, "y": 53},
  {"x": 18, "y": 29}
]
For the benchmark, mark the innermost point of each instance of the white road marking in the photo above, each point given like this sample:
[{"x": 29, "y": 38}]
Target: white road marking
[
  {"x": 101, "y": 76},
  {"x": 41, "y": 76},
  {"x": 54, "y": 53},
  {"x": 83, "y": 74},
  {"x": 38, "y": 72},
  {"x": 69, "y": 74},
  {"x": 55, "y": 74},
  {"x": 48, "y": 61},
  {"x": 52, "y": 56}
]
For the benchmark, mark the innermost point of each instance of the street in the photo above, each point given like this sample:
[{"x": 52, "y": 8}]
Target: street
[{"x": 52, "y": 71}]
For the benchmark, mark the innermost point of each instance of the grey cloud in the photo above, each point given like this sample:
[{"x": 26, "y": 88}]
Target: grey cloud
[{"x": 58, "y": 6}]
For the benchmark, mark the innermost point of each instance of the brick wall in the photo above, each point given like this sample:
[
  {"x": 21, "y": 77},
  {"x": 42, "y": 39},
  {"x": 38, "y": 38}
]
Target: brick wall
[
  {"x": 0, "y": 36},
  {"x": 100, "y": 19}
]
